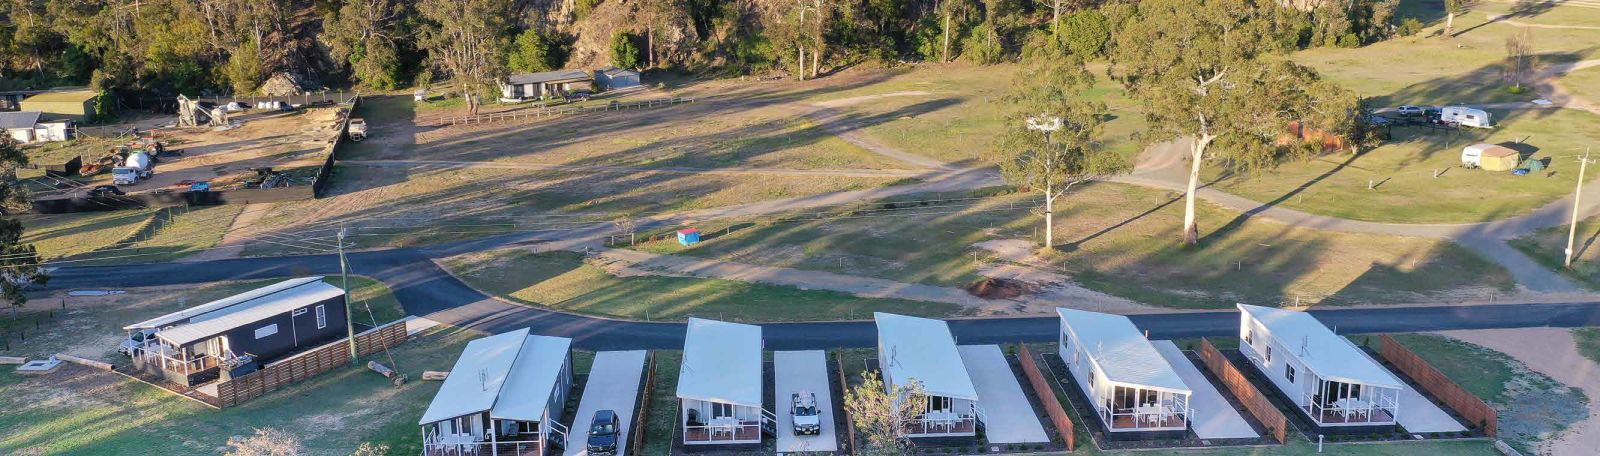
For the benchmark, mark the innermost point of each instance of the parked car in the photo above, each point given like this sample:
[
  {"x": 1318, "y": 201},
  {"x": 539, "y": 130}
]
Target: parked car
[
  {"x": 105, "y": 190},
  {"x": 807, "y": 418},
  {"x": 1410, "y": 111},
  {"x": 604, "y": 432}
]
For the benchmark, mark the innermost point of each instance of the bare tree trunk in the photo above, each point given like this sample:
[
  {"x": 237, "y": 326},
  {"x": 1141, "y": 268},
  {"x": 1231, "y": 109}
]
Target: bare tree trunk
[
  {"x": 1049, "y": 215},
  {"x": 650, "y": 45},
  {"x": 1449, "y": 23},
  {"x": 802, "y": 62},
  {"x": 1055, "y": 21},
  {"x": 1191, "y": 230},
  {"x": 816, "y": 62}
]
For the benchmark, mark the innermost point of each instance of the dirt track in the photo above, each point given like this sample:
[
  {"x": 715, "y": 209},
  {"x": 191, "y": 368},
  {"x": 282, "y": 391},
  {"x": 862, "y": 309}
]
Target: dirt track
[{"x": 1551, "y": 351}]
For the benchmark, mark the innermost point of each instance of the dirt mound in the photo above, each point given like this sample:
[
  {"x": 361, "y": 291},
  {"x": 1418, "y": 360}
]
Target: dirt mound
[{"x": 998, "y": 289}]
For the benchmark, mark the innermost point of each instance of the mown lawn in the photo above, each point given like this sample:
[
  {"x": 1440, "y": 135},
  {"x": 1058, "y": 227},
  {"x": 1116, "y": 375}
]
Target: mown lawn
[
  {"x": 564, "y": 281},
  {"x": 82, "y": 411},
  {"x": 1548, "y": 247},
  {"x": 1530, "y": 405},
  {"x": 65, "y": 235},
  {"x": 1402, "y": 171},
  {"x": 1588, "y": 340},
  {"x": 1115, "y": 238}
]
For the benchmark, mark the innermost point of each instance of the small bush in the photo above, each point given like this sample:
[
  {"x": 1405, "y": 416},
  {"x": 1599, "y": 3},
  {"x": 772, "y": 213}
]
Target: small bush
[{"x": 1409, "y": 26}]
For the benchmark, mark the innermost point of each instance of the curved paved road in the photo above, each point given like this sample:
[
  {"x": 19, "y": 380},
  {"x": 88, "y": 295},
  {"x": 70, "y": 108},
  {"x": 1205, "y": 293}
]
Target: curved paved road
[{"x": 425, "y": 289}]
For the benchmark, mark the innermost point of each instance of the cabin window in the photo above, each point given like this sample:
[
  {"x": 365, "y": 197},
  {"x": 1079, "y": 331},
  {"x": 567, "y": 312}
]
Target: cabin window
[
  {"x": 1249, "y": 336},
  {"x": 1269, "y": 353},
  {"x": 297, "y": 312},
  {"x": 1288, "y": 372},
  {"x": 322, "y": 317},
  {"x": 721, "y": 410},
  {"x": 938, "y": 404},
  {"x": 266, "y": 331}
]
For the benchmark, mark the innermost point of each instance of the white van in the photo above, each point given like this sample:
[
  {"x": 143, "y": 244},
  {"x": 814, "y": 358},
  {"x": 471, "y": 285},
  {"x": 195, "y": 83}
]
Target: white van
[{"x": 1466, "y": 117}]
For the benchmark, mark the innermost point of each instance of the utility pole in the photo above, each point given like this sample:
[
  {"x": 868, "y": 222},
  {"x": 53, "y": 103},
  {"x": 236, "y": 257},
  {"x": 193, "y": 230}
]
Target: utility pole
[
  {"x": 344, "y": 282},
  {"x": 1572, "y": 231}
]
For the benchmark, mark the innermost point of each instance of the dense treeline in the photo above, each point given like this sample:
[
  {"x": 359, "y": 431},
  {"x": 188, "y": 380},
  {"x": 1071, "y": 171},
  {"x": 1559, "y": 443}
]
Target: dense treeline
[{"x": 163, "y": 47}]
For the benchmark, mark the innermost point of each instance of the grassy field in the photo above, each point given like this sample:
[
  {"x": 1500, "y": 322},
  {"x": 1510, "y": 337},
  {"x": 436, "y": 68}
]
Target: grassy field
[
  {"x": 663, "y": 417},
  {"x": 1584, "y": 83},
  {"x": 1402, "y": 171},
  {"x": 1122, "y": 240},
  {"x": 1548, "y": 247},
  {"x": 1530, "y": 405},
  {"x": 1588, "y": 340},
  {"x": 64, "y": 235},
  {"x": 1463, "y": 69},
  {"x": 332, "y": 413},
  {"x": 564, "y": 281}
]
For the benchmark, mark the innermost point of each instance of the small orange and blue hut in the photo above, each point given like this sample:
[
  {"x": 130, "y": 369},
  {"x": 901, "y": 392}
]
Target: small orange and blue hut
[{"x": 689, "y": 236}]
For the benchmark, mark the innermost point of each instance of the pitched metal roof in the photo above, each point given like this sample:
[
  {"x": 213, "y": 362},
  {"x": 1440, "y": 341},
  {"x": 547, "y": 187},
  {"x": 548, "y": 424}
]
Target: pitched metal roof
[
  {"x": 21, "y": 119},
  {"x": 1123, "y": 354},
  {"x": 220, "y": 304},
  {"x": 1325, "y": 353},
  {"x": 509, "y": 375},
  {"x": 923, "y": 350},
  {"x": 74, "y": 96},
  {"x": 721, "y": 363},
  {"x": 250, "y": 311},
  {"x": 549, "y": 76}
]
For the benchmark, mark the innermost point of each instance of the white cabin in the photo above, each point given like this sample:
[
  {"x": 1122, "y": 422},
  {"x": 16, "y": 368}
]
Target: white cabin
[
  {"x": 1132, "y": 387},
  {"x": 923, "y": 351},
  {"x": 504, "y": 396},
  {"x": 1327, "y": 377},
  {"x": 721, "y": 386}
]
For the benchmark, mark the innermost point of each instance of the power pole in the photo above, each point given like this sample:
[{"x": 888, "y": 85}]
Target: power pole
[
  {"x": 1572, "y": 231},
  {"x": 344, "y": 282}
]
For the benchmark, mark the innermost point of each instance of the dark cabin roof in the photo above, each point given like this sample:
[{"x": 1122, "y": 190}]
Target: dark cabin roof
[
  {"x": 550, "y": 76},
  {"x": 23, "y": 119}
]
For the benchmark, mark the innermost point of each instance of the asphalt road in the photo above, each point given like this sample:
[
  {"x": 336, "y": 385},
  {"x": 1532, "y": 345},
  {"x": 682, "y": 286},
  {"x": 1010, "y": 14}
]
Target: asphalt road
[{"x": 425, "y": 289}]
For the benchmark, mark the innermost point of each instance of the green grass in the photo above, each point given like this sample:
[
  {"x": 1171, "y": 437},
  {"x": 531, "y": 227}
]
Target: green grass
[
  {"x": 563, "y": 281},
  {"x": 1548, "y": 246},
  {"x": 663, "y": 416},
  {"x": 1588, "y": 340},
  {"x": 1336, "y": 184},
  {"x": 1530, "y": 405},
  {"x": 64, "y": 235},
  {"x": 1119, "y": 239},
  {"x": 332, "y": 413},
  {"x": 1584, "y": 83}
]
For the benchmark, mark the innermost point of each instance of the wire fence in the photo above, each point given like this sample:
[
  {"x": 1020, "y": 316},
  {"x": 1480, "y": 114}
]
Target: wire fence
[{"x": 547, "y": 112}]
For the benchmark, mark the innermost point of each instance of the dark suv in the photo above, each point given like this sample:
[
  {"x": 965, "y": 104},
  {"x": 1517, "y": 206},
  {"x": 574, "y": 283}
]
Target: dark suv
[{"x": 604, "y": 432}]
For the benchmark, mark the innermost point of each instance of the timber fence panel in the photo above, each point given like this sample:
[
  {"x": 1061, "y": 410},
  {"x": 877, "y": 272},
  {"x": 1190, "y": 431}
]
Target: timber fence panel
[
  {"x": 1253, "y": 399},
  {"x": 1469, "y": 406},
  {"x": 849, "y": 446},
  {"x": 641, "y": 419},
  {"x": 1047, "y": 396},
  {"x": 305, "y": 365}
]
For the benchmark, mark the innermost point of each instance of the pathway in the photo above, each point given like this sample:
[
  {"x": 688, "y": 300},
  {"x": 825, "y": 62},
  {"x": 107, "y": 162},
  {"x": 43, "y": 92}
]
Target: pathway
[
  {"x": 734, "y": 171},
  {"x": 1551, "y": 351}
]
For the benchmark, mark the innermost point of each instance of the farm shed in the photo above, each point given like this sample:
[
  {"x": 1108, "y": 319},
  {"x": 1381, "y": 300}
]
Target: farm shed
[
  {"x": 560, "y": 83},
  {"x": 77, "y": 105},
  {"x": 720, "y": 384},
  {"x": 1324, "y": 375},
  {"x": 1133, "y": 389},
  {"x": 505, "y": 395},
  {"x": 923, "y": 351},
  {"x": 613, "y": 78},
  {"x": 27, "y": 128},
  {"x": 238, "y": 334}
]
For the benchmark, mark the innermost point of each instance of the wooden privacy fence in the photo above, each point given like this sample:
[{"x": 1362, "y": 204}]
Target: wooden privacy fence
[
  {"x": 1254, "y": 401},
  {"x": 640, "y": 423},
  {"x": 542, "y": 112},
  {"x": 1471, "y": 407},
  {"x": 849, "y": 446},
  {"x": 1047, "y": 396},
  {"x": 307, "y": 364}
]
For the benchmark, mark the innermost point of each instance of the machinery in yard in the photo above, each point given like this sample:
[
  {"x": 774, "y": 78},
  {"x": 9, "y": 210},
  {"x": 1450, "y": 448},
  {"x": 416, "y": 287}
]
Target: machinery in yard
[{"x": 358, "y": 129}]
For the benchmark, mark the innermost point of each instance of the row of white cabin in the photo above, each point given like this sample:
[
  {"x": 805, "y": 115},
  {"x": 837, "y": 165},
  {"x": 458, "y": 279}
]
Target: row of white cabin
[
  {"x": 505, "y": 391},
  {"x": 1134, "y": 389}
]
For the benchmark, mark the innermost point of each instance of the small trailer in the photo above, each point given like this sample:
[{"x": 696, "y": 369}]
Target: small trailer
[
  {"x": 1466, "y": 117},
  {"x": 358, "y": 129}
]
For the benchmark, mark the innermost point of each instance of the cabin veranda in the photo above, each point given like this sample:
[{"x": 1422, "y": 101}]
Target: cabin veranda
[
  {"x": 923, "y": 351},
  {"x": 1326, "y": 376},
  {"x": 1134, "y": 391},
  {"x": 504, "y": 396}
]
